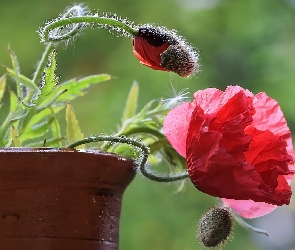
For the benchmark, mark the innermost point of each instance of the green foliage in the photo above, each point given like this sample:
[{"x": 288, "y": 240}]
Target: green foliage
[
  {"x": 146, "y": 126},
  {"x": 74, "y": 132},
  {"x": 15, "y": 140},
  {"x": 69, "y": 90},
  {"x": 2, "y": 87},
  {"x": 24, "y": 80},
  {"x": 131, "y": 103},
  {"x": 31, "y": 119},
  {"x": 49, "y": 81}
]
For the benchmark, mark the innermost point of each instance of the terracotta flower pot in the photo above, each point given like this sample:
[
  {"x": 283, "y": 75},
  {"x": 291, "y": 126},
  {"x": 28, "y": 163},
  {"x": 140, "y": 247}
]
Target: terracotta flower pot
[{"x": 61, "y": 198}]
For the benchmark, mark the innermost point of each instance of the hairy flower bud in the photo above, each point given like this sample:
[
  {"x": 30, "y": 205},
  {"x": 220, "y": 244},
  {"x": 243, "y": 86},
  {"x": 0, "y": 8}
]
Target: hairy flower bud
[
  {"x": 215, "y": 227},
  {"x": 162, "y": 49}
]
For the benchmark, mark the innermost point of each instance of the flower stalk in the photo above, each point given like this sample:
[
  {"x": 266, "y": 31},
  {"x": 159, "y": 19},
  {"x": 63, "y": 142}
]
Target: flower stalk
[
  {"x": 144, "y": 151},
  {"x": 247, "y": 226},
  {"x": 73, "y": 21}
]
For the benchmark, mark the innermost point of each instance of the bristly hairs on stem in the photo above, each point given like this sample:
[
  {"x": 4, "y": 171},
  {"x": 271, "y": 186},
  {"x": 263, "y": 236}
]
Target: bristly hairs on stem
[
  {"x": 144, "y": 151},
  {"x": 70, "y": 24},
  {"x": 66, "y": 33}
]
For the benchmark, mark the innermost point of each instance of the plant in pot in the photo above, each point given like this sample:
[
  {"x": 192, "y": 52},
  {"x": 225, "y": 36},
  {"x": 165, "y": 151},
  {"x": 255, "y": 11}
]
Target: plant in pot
[{"x": 60, "y": 195}]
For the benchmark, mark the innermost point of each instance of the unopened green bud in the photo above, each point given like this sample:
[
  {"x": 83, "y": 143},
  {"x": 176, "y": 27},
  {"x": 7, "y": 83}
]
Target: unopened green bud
[{"x": 215, "y": 227}]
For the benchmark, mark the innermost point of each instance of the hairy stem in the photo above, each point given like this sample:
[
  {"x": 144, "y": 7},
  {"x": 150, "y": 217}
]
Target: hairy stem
[
  {"x": 142, "y": 149},
  {"x": 84, "y": 20},
  {"x": 133, "y": 131}
]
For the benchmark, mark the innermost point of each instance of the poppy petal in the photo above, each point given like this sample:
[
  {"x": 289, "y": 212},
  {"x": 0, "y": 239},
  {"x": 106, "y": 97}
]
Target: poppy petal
[
  {"x": 176, "y": 125},
  {"x": 249, "y": 209}
]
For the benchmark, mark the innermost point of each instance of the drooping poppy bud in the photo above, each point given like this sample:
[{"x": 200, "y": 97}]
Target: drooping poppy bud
[{"x": 162, "y": 49}]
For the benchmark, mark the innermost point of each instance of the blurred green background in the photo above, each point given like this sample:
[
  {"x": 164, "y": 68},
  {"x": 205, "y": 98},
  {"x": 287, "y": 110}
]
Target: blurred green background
[{"x": 247, "y": 43}]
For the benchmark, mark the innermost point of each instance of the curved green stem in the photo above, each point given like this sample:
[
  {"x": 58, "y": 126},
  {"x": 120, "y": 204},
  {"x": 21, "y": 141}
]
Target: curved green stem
[
  {"x": 248, "y": 226},
  {"x": 142, "y": 149},
  {"x": 77, "y": 11},
  {"x": 131, "y": 132},
  {"x": 85, "y": 20}
]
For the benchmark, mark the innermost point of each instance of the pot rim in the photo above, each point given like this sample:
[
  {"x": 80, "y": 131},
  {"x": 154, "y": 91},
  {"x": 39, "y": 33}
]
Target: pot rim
[{"x": 58, "y": 150}]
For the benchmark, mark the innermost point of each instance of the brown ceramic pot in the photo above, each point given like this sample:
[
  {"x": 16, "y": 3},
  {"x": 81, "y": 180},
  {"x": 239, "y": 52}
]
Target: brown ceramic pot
[{"x": 61, "y": 198}]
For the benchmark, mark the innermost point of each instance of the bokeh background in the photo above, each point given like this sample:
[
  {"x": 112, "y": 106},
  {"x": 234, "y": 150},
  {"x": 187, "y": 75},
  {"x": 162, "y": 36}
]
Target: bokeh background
[{"x": 248, "y": 43}]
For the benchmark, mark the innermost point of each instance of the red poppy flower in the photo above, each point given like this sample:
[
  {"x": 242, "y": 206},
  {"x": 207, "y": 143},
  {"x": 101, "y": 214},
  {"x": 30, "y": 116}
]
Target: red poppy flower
[
  {"x": 161, "y": 49},
  {"x": 237, "y": 147}
]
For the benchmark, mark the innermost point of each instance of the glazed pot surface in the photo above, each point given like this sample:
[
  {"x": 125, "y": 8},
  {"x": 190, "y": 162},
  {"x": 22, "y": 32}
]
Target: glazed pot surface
[{"x": 61, "y": 198}]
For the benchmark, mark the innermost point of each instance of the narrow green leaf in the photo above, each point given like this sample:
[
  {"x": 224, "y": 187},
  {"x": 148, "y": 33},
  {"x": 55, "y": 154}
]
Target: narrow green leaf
[
  {"x": 27, "y": 106},
  {"x": 49, "y": 80},
  {"x": 51, "y": 101},
  {"x": 2, "y": 85},
  {"x": 73, "y": 130},
  {"x": 131, "y": 103},
  {"x": 36, "y": 131},
  {"x": 15, "y": 139},
  {"x": 23, "y": 79},
  {"x": 14, "y": 102},
  {"x": 55, "y": 129},
  {"x": 14, "y": 117},
  {"x": 16, "y": 69},
  {"x": 6, "y": 127},
  {"x": 42, "y": 115},
  {"x": 72, "y": 89},
  {"x": 36, "y": 120}
]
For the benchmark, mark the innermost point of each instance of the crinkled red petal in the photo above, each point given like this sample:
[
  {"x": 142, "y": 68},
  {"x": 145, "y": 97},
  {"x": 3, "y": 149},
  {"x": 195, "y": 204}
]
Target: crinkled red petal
[{"x": 215, "y": 165}]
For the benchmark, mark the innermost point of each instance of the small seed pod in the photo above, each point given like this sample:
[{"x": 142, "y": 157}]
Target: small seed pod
[
  {"x": 215, "y": 227},
  {"x": 162, "y": 49}
]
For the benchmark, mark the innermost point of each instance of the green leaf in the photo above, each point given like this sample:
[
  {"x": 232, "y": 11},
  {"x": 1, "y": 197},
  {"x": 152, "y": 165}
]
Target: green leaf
[
  {"x": 5, "y": 131},
  {"x": 73, "y": 130},
  {"x": 38, "y": 123},
  {"x": 15, "y": 139},
  {"x": 72, "y": 89},
  {"x": 2, "y": 85},
  {"x": 14, "y": 102},
  {"x": 27, "y": 106},
  {"x": 23, "y": 79},
  {"x": 44, "y": 114},
  {"x": 55, "y": 129},
  {"x": 14, "y": 117},
  {"x": 51, "y": 101},
  {"x": 49, "y": 80},
  {"x": 37, "y": 130},
  {"x": 131, "y": 103},
  {"x": 16, "y": 69}
]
